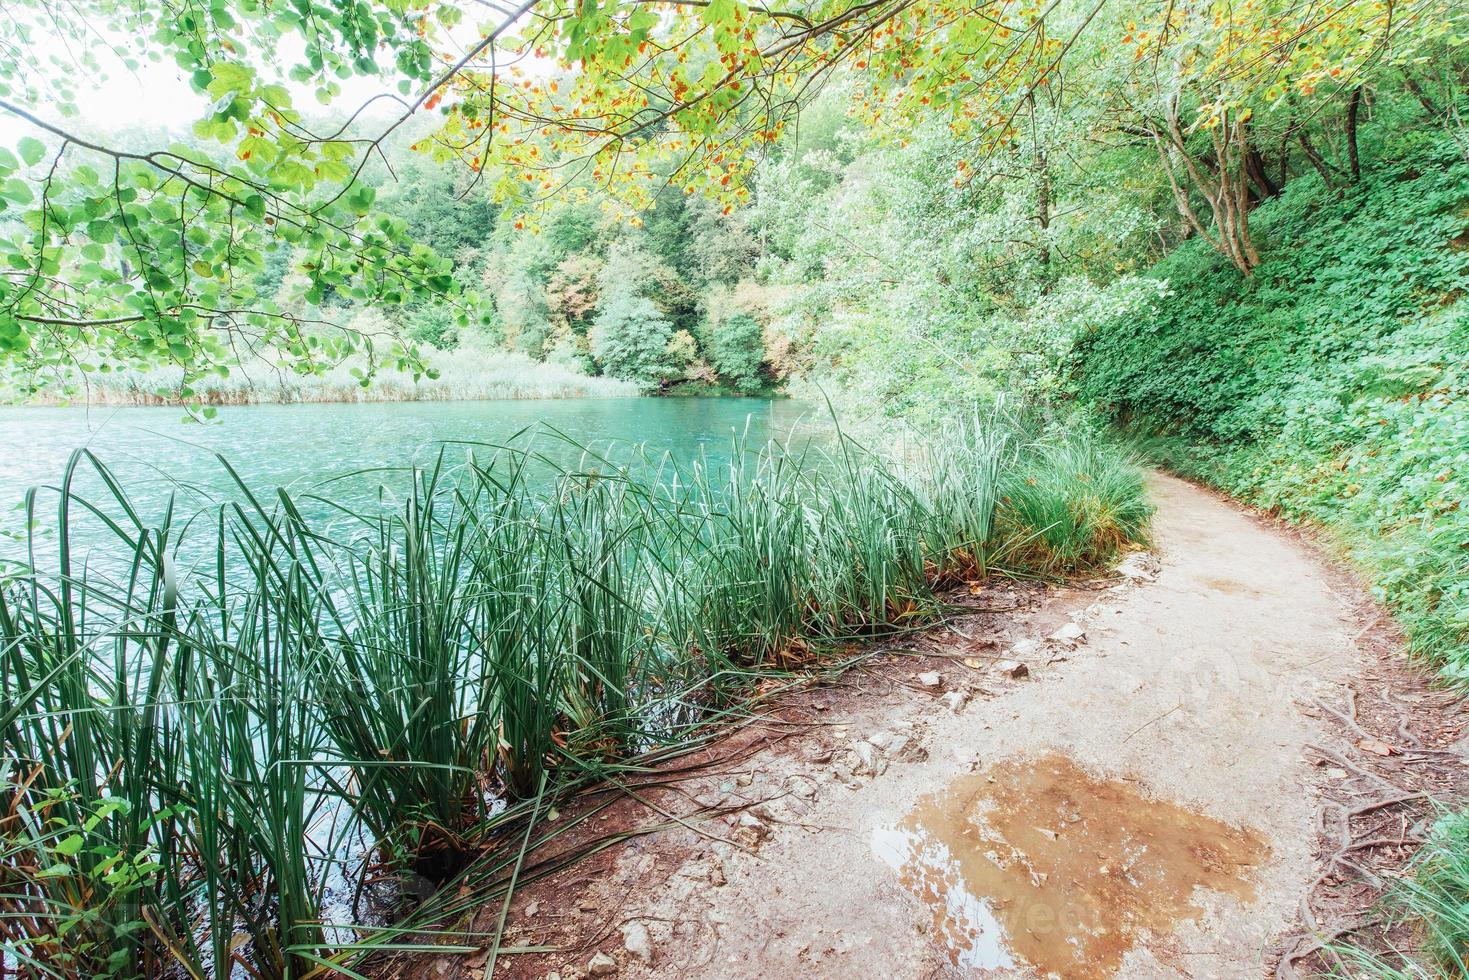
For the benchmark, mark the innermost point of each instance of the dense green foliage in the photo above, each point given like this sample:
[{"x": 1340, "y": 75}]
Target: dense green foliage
[
  {"x": 204, "y": 738},
  {"x": 1331, "y": 385},
  {"x": 737, "y": 351}
]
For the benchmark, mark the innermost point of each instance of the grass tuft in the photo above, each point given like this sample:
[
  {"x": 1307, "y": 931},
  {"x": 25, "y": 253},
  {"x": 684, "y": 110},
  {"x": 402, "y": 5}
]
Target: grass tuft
[
  {"x": 1434, "y": 899},
  {"x": 1071, "y": 507}
]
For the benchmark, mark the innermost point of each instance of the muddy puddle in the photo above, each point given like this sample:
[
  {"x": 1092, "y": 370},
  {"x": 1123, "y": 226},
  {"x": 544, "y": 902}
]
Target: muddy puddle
[{"x": 1039, "y": 864}]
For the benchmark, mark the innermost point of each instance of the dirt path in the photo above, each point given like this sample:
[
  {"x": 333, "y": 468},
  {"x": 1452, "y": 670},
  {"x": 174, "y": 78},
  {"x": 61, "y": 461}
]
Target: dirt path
[{"x": 1143, "y": 804}]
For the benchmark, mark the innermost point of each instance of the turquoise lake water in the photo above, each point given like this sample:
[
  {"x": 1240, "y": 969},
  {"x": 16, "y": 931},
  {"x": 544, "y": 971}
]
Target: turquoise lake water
[{"x": 312, "y": 448}]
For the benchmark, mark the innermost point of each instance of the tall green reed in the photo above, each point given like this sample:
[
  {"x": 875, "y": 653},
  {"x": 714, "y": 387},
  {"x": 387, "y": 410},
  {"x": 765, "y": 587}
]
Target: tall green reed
[
  {"x": 401, "y": 687},
  {"x": 188, "y": 757},
  {"x": 1069, "y": 505}
]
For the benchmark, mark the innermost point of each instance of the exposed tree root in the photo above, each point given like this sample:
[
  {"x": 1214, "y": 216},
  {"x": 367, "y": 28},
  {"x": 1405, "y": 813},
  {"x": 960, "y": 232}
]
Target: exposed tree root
[{"x": 1375, "y": 813}]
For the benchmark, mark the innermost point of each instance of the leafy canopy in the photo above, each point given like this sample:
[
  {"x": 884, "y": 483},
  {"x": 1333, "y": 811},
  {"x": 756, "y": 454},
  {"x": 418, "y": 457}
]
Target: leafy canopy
[{"x": 115, "y": 253}]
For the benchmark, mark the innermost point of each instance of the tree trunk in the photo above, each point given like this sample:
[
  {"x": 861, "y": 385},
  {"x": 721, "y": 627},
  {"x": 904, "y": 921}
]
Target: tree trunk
[
  {"x": 1317, "y": 162},
  {"x": 1427, "y": 103},
  {"x": 1259, "y": 176},
  {"x": 1225, "y": 185},
  {"x": 1353, "y": 107},
  {"x": 1042, "y": 171},
  {"x": 1043, "y": 204}
]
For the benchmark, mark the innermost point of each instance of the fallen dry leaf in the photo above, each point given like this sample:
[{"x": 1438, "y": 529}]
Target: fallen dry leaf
[{"x": 1376, "y": 747}]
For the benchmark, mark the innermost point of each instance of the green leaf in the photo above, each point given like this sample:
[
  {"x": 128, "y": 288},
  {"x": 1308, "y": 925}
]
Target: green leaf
[
  {"x": 31, "y": 150},
  {"x": 17, "y": 190},
  {"x": 69, "y": 846}
]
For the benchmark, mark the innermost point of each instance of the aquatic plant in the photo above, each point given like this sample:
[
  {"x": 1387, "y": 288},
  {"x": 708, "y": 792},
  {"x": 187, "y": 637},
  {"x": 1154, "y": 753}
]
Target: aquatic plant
[{"x": 197, "y": 764}]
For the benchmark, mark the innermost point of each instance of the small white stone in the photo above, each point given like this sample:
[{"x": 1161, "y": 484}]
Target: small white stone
[
  {"x": 636, "y": 941},
  {"x": 1069, "y": 635},
  {"x": 930, "y": 678},
  {"x": 955, "y": 700},
  {"x": 752, "y": 829},
  {"x": 1024, "y": 649},
  {"x": 601, "y": 965},
  {"x": 1137, "y": 567},
  {"x": 870, "y": 760}
]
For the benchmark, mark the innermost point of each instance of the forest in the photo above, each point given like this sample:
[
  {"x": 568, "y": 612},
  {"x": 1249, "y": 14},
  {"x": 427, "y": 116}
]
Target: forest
[{"x": 1054, "y": 245}]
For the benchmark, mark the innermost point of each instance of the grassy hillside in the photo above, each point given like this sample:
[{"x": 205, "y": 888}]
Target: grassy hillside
[{"x": 1331, "y": 384}]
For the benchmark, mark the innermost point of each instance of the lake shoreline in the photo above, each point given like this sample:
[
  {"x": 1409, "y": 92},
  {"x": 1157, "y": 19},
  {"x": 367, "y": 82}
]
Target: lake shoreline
[
  {"x": 364, "y": 397},
  {"x": 463, "y": 374},
  {"x": 477, "y": 643},
  {"x": 161, "y": 451}
]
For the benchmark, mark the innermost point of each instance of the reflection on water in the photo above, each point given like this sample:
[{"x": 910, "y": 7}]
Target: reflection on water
[
  {"x": 1040, "y": 862},
  {"x": 965, "y": 922}
]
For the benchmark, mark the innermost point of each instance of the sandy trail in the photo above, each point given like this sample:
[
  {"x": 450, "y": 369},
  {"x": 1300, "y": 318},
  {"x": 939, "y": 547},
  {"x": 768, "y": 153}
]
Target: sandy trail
[{"x": 1192, "y": 689}]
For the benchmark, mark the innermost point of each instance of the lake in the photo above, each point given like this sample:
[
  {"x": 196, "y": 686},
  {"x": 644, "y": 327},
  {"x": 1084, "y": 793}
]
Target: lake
[{"x": 155, "y": 451}]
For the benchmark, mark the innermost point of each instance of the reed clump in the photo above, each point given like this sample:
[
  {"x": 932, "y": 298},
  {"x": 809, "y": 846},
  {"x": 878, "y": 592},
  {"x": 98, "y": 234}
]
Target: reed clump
[
  {"x": 197, "y": 765},
  {"x": 1070, "y": 505}
]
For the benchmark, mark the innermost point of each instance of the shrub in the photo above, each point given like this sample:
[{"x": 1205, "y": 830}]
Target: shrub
[
  {"x": 737, "y": 350},
  {"x": 683, "y": 351},
  {"x": 630, "y": 340}
]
